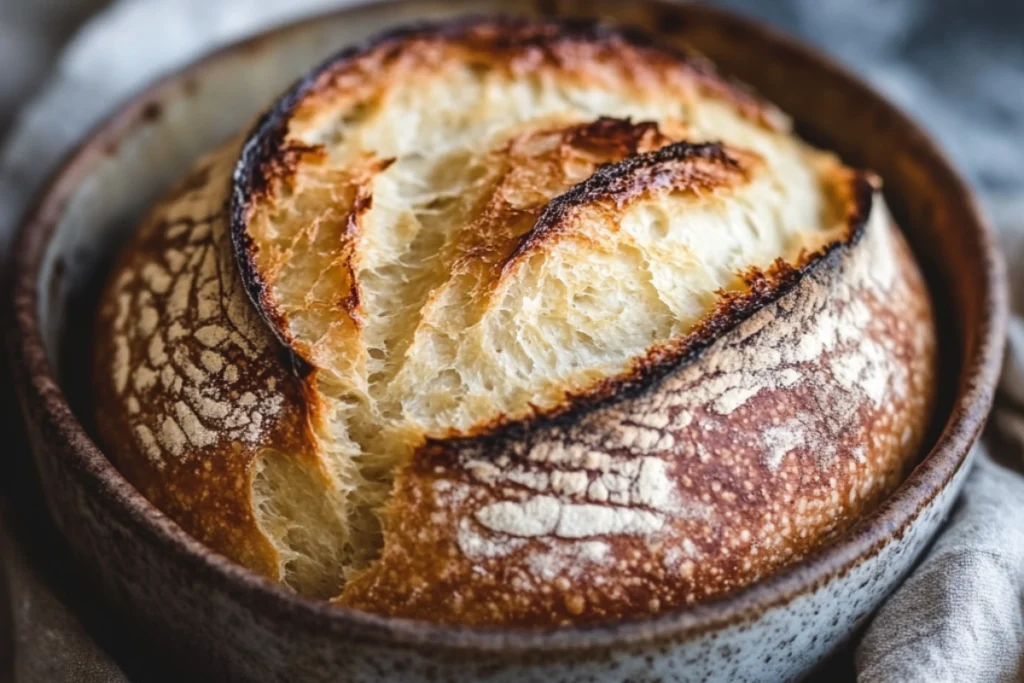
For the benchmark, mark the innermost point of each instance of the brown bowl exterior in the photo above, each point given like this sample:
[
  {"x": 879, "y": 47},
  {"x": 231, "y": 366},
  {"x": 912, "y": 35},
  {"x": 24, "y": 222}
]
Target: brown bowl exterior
[{"x": 241, "y": 627}]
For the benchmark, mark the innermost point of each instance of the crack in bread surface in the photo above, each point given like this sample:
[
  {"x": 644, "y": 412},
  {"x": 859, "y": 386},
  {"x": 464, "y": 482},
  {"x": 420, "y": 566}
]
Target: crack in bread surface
[{"x": 454, "y": 241}]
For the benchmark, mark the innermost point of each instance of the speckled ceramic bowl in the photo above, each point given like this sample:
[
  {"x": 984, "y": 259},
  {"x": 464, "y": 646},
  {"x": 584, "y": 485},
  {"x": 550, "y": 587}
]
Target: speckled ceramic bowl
[{"x": 235, "y": 625}]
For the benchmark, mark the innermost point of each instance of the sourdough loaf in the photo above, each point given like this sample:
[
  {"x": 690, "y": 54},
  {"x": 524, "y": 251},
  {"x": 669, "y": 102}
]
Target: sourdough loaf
[{"x": 516, "y": 323}]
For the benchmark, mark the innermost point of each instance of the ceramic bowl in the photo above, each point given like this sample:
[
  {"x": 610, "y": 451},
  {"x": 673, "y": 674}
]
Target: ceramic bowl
[{"x": 233, "y": 625}]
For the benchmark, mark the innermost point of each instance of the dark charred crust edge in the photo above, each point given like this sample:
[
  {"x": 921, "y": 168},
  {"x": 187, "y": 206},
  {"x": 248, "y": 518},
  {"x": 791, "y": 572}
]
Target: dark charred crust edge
[
  {"x": 265, "y": 156},
  {"x": 629, "y": 177},
  {"x": 648, "y": 372}
]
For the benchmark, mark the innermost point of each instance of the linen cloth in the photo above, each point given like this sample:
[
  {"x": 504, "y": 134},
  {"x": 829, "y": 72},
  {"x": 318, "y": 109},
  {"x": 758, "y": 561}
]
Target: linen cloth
[{"x": 959, "y": 617}]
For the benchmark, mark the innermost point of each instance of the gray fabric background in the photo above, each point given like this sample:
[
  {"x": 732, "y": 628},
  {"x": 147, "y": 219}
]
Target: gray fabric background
[{"x": 957, "y": 65}]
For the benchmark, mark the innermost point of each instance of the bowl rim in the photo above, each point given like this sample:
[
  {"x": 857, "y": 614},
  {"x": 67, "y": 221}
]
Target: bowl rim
[{"x": 44, "y": 404}]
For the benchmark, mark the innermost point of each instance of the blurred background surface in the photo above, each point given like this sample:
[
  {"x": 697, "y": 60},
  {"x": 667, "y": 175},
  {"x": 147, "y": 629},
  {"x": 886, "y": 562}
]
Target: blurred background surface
[{"x": 31, "y": 35}]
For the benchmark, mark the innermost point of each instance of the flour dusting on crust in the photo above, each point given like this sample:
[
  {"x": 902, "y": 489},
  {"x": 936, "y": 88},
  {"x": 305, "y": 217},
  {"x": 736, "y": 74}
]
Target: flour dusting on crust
[{"x": 190, "y": 381}]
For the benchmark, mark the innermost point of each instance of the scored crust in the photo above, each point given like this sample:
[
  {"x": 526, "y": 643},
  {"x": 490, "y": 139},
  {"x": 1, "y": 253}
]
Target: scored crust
[{"x": 545, "y": 324}]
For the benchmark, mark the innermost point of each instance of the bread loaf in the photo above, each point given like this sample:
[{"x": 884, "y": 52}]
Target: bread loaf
[{"x": 516, "y": 323}]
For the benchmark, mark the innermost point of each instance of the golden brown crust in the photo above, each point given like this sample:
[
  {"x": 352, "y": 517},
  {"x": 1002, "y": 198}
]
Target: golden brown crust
[
  {"x": 189, "y": 383},
  {"x": 769, "y": 444},
  {"x": 581, "y": 51},
  {"x": 680, "y": 167},
  {"x": 720, "y": 451},
  {"x": 360, "y": 80}
]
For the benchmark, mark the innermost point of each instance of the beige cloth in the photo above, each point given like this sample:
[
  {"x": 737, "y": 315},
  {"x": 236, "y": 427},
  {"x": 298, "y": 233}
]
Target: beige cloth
[
  {"x": 957, "y": 619},
  {"x": 960, "y": 617}
]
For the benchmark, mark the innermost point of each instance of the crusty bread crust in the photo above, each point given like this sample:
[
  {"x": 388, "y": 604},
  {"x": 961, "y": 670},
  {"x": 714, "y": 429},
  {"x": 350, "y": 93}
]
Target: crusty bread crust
[
  {"x": 516, "y": 323},
  {"x": 753, "y": 454}
]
